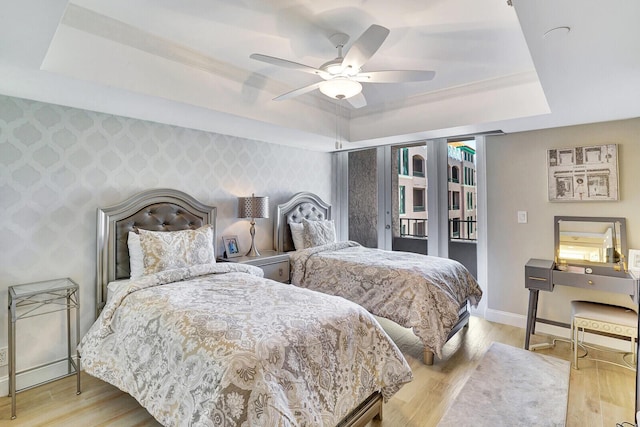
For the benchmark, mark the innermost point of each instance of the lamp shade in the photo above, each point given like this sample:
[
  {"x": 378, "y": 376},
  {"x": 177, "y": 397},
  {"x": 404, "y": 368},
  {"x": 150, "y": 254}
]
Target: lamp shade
[
  {"x": 340, "y": 88},
  {"x": 253, "y": 207}
]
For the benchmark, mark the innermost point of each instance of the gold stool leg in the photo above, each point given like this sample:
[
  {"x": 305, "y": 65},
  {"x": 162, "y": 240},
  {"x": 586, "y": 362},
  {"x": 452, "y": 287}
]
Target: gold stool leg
[{"x": 575, "y": 346}]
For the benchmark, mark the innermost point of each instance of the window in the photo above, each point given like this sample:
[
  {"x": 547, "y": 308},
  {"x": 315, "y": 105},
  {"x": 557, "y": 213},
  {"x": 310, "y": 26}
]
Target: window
[
  {"x": 418, "y": 166},
  {"x": 468, "y": 157},
  {"x": 468, "y": 176},
  {"x": 401, "y": 196},
  {"x": 455, "y": 200},
  {"x": 455, "y": 174},
  {"x": 469, "y": 200},
  {"x": 403, "y": 161},
  {"x": 455, "y": 227},
  {"x": 419, "y": 229},
  {"x": 418, "y": 200}
]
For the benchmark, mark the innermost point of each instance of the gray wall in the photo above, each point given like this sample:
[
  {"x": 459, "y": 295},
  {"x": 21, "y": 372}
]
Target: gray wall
[
  {"x": 59, "y": 164},
  {"x": 517, "y": 180}
]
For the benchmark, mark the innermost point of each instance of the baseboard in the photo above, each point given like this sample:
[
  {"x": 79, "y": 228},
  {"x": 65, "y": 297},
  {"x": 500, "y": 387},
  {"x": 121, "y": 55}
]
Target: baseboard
[
  {"x": 520, "y": 321},
  {"x": 34, "y": 376}
]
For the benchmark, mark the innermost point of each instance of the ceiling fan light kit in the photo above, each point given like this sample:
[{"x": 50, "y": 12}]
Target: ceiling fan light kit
[
  {"x": 340, "y": 88},
  {"x": 342, "y": 75}
]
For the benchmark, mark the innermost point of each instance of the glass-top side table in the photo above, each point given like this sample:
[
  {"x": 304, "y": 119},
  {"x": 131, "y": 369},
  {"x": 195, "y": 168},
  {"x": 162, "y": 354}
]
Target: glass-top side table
[{"x": 36, "y": 299}]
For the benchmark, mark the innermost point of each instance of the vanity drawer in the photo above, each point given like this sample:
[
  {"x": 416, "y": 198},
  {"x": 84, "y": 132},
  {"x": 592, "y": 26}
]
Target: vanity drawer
[
  {"x": 620, "y": 285},
  {"x": 277, "y": 271},
  {"x": 537, "y": 274}
]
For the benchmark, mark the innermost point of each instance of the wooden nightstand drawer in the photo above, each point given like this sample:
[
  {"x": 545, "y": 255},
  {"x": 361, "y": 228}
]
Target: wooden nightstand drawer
[{"x": 277, "y": 271}]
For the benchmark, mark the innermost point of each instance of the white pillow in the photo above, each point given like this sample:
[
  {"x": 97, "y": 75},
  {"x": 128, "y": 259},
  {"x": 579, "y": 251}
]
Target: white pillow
[
  {"x": 168, "y": 250},
  {"x": 297, "y": 231},
  {"x": 136, "y": 262},
  {"x": 317, "y": 233}
]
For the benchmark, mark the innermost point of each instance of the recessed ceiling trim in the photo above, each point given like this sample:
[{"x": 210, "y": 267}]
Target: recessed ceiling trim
[
  {"x": 452, "y": 92},
  {"x": 91, "y": 22}
]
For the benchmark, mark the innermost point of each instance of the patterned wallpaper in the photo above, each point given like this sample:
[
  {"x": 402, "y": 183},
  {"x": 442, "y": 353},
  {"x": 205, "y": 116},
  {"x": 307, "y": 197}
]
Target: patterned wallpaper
[
  {"x": 59, "y": 164},
  {"x": 363, "y": 197}
]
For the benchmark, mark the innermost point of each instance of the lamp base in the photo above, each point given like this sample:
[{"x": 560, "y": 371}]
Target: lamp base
[{"x": 253, "y": 252}]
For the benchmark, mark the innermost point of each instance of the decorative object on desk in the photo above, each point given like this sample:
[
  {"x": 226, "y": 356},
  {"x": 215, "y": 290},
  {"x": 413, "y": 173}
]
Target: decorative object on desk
[
  {"x": 231, "y": 246},
  {"x": 583, "y": 174},
  {"x": 253, "y": 207},
  {"x": 634, "y": 261}
]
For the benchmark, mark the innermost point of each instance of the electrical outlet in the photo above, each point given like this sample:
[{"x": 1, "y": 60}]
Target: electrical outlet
[{"x": 3, "y": 356}]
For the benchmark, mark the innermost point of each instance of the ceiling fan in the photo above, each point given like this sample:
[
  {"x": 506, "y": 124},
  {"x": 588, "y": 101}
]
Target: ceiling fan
[{"x": 342, "y": 76}]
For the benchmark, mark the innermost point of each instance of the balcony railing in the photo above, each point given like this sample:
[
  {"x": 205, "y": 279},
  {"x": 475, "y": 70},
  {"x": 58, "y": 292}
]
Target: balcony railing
[
  {"x": 417, "y": 227},
  {"x": 413, "y": 227}
]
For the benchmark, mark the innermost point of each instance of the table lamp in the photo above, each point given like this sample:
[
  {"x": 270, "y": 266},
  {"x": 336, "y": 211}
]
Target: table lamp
[{"x": 253, "y": 207}]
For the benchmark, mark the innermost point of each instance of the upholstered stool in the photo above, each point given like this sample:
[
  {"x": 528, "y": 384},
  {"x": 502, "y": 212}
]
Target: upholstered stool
[{"x": 610, "y": 319}]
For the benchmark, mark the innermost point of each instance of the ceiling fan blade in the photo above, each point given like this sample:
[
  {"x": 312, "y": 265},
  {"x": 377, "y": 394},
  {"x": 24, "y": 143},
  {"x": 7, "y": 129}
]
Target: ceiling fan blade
[
  {"x": 357, "y": 101},
  {"x": 297, "y": 92},
  {"x": 364, "y": 48},
  {"x": 289, "y": 64},
  {"x": 395, "y": 76}
]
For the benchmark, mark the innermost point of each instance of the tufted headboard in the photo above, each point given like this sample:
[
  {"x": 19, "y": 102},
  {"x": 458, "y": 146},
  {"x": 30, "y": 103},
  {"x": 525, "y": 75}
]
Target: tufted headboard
[
  {"x": 302, "y": 205},
  {"x": 156, "y": 210}
]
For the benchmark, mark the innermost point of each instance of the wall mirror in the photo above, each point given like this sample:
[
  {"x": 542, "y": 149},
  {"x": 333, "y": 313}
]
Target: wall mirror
[{"x": 599, "y": 243}]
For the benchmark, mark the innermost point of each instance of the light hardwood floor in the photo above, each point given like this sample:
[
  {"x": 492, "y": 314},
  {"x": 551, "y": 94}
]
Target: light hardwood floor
[{"x": 599, "y": 394}]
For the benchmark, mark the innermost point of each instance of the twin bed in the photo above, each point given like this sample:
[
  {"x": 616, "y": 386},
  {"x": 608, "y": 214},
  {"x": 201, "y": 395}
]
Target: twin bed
[
  {"x": 430, "y": 295},
  {"x": 200, "y": 343}
]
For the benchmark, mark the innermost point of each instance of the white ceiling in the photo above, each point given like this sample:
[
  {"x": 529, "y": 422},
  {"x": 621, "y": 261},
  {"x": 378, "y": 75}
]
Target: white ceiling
[{"x": 187, "y": 63}]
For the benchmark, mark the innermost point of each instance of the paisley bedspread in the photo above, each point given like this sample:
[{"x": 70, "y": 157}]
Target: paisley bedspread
[
  {"x": 219, "y": 345},
  {"x": 416, "y": 291}
]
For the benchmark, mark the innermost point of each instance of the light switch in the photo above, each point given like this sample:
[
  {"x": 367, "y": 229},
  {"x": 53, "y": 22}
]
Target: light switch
[{"x": 522, "y": 217}]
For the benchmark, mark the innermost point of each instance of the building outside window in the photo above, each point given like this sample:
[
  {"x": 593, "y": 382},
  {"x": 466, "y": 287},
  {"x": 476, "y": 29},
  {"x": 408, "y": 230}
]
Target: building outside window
[{"x": 413, "y": 188}]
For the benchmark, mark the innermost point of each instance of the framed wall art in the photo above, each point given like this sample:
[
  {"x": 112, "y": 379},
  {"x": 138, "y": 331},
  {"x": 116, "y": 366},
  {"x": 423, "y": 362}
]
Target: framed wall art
[
  {"x": 583, "y": 174},
  {"x": 231, "y": 246}
]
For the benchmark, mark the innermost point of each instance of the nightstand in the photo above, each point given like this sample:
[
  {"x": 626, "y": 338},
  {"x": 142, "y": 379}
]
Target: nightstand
[
  {"x": 274, "y": 264},
  {"x": 35, "y": 299}
]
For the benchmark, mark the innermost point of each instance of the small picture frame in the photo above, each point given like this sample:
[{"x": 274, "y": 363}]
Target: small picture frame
[
  {"x": 231, "y": 246},
  {"x": 634, "y": 261}
]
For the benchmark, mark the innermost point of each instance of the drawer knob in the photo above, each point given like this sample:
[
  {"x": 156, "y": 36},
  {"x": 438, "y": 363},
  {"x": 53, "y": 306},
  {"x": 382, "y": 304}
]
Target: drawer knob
[
  {"x": 281, "y": 272},
  {"x": 590, "y": 282}
]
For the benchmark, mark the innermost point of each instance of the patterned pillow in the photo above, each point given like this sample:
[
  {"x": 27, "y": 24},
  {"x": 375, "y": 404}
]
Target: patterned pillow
[
  {"x": 316, "y": 233},
  {"x": 168, "y": 250}
]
